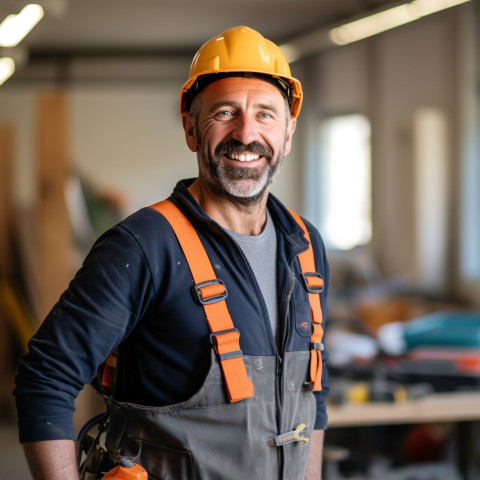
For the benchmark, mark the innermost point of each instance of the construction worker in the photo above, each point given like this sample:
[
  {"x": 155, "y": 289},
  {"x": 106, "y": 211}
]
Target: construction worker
[{"x": 217, "y": 379}]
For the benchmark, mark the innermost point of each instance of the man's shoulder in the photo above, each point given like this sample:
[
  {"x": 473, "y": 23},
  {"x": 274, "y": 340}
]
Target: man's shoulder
[
  {"x": 147, "y": 220},
  {"x": 145, "y": 228}
]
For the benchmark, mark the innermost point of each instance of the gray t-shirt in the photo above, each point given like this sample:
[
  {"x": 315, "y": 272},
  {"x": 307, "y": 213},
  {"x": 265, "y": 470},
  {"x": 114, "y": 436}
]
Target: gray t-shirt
[{"x": 261, "y": 253}]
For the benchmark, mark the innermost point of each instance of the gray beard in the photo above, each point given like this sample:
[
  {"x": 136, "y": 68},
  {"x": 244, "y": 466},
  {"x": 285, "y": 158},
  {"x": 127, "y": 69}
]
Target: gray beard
[{"x": 223, "y": 178}]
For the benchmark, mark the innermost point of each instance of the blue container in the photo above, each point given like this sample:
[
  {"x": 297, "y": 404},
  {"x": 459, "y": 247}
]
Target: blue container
[{"x": 444, "y": 329}]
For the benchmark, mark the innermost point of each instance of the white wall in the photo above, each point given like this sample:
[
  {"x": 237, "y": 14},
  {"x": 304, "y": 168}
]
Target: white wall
[
  {"x": 389, "y": 78},
  {"x": 415, "y": 69},
  {"x": 130, "y": 140}
]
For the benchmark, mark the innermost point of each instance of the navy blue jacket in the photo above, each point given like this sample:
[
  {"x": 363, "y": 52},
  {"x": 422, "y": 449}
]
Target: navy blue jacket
[{"x": 134, "y": 290}]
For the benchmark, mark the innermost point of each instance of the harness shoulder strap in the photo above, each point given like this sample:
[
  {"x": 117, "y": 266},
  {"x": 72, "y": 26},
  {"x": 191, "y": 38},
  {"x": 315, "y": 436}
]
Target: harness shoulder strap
[
  {"x": 211, "y": 293},
  {"x": 314, "y": 285}
]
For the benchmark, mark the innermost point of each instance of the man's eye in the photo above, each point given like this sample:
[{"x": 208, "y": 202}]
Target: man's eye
[
  {"x": 223, "y": 114},
  {"x": 265, "y": 115}
]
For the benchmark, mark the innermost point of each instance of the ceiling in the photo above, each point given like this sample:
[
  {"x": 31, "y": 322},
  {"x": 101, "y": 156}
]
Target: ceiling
[{"x": 76, "y": 30}]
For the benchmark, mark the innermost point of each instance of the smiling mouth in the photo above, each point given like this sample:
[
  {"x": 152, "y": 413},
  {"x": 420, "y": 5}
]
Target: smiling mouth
[
  {"x": 243, "y": 157},
  {"x": 240, "y": 152}
]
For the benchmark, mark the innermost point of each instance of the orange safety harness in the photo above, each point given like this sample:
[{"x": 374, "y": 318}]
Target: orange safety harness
[
  {"x": 313, "y": 282},
  {"x": 211, "y": 293}
]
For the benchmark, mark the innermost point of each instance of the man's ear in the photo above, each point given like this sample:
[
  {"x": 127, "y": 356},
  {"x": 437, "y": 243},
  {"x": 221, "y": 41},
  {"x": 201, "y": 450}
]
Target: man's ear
[
  {"x": 289, "y": 135},
  {"x": 190, "y": 131}
]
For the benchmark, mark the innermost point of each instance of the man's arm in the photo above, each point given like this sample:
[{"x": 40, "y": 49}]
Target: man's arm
[
  {"x": 314, "y": 462},
  {"x": 51, "y": 459}
]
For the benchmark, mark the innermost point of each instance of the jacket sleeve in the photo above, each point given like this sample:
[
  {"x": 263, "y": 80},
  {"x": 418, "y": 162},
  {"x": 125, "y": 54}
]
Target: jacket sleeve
[
  {"x": 97, "y": 311},
  {"x": 322, "y": 267}
]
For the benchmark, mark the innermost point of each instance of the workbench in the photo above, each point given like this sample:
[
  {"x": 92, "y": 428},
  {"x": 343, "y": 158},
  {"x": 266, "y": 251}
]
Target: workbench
[
  {"x": 461, "y": 408},
  {"x": 435, "y": 407}
]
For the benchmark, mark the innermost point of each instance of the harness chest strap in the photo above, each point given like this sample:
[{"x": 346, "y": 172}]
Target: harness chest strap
[
  {"x": 314, "y": 285},
  {"x": 211, "y": 293}
]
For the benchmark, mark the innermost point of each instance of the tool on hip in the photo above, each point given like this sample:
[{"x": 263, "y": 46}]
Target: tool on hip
[{"x": 127, "y": 470}]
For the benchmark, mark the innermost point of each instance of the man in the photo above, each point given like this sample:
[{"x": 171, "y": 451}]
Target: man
[{"x": 171, "y": 411}]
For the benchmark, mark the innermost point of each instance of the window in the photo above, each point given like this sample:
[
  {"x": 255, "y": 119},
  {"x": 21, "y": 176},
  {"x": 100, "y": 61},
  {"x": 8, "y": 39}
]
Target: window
[
  {"x": 470, "y": 167},
  {"x": 345, "y": 181}
]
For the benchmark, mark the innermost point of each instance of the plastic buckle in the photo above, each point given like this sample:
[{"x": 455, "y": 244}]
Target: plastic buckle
[
  {"x": 226, "y": 355},
  {"x": 214, "y": 298},
  {"x": 307, "y": 286},
  {"x": 221, "y": 332},
  {"x": 317, "y": 346}
]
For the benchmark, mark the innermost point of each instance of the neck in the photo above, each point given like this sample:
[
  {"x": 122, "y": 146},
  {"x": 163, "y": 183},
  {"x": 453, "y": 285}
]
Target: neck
[{"x": 235, "y": 216}]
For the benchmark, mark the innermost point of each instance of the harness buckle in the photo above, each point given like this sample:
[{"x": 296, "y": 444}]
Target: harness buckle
[
  {"x": 221, "y": 332},
  {"x": 226, "y": 355},
  {"x": 317, "y": 346},
  {"x": 211, "y": 291},
  {"x": 313, "y": 282}
]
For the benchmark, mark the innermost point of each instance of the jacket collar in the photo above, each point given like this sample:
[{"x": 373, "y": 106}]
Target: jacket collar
[{"x": 282, "y": 219}]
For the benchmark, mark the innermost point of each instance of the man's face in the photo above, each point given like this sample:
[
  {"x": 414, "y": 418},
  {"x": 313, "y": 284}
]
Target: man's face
[{"x": 241, "y": 132}]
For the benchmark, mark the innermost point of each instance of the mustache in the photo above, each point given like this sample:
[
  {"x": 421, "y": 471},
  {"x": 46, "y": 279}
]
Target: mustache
[{"x": 234, "y": 146}]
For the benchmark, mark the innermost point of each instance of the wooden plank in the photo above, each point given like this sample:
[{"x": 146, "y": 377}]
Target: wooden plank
[
  {"x": 53, "y": 231},
  {"x": 438, "y": 407},
  {"x": 6, "y": 162},
  {"x": 6, "y": 367},
  {"x": 54, "y": 237},
  {"x": 25, "y": 235}
]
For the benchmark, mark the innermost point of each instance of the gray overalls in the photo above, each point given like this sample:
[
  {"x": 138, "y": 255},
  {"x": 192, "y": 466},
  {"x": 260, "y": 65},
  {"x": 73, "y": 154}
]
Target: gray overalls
[{"x": 210, "y": 437}]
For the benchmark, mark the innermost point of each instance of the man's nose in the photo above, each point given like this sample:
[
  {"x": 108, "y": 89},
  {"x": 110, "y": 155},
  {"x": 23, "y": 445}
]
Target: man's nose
[{"x": 245, "y": 129}]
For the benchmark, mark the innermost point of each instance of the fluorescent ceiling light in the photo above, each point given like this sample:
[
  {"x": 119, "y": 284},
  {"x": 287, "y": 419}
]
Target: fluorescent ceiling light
[
  {"x": 388, "y": 19},
  {"x": 7, "y": 67},
  {"x": 15, "y": 27},
  {"x": 291, "y": 52}
]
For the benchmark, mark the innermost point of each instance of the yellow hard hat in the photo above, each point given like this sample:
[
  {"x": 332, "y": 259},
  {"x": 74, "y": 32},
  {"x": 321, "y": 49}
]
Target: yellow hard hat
[{"x": 241, "y": 50}]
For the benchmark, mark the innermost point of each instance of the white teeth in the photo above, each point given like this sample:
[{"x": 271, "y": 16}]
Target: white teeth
[{"x": 245, "y": 157}]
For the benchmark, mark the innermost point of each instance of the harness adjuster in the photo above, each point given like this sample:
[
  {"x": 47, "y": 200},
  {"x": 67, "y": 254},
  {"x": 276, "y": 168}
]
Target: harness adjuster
[
  {"x": 221, "y": 332},
  {"x": 313, "y": 282},
  {"x": 317, "y": 346},
  {"x": 225, "y": 355},
  {"x": 211, "y": 291},
  {"x": 230, "y": 355}
]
